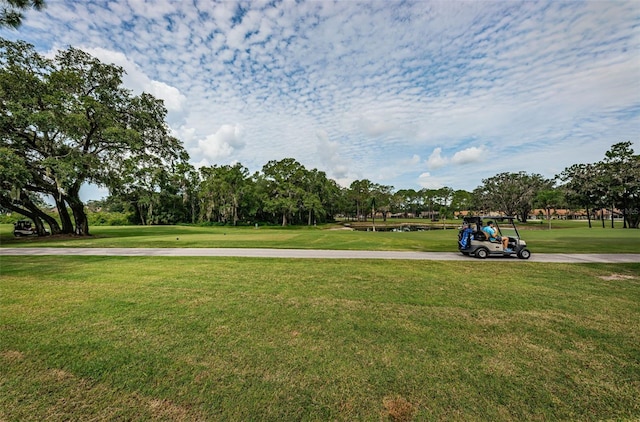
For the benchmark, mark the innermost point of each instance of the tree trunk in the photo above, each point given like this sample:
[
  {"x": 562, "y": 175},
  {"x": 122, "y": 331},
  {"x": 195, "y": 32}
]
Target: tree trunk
[
  {"x": 53, "y": 224},
  {"x": 140, "y": 211},
  {"x": 523, "y": 217},
  {"x": 549, "y": 217},
  {"x": 77, "y": 208},
  {"x": 588, "y": 216},
  {"x": 26, "y": 213},
  {"x": 235, "y": 211},
  {"x": 612, "y": 217},
  {"x": 80, "y": 217},
  {"x": 65, "y": 218},
  {"x": 150, "y": 213},
  {"x": 37, "y": 215}
]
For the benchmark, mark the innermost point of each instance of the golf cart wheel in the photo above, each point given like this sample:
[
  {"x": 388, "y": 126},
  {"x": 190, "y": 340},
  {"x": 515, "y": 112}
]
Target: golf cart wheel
[
  {"x": 524, "y": 254},
  {"x": 482, "y": 253}
]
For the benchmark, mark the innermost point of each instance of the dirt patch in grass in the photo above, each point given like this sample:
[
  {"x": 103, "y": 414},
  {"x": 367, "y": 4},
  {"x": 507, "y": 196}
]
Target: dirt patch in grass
[
  {"x": 12, "y": 355},
  {"x": 60, "y": 374},
  {"x": 398, "y": 409},
  {"x": 164, "y": 409}
]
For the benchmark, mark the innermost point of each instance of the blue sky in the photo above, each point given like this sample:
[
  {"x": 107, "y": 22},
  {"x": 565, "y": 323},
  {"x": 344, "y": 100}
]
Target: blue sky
[{"x": 410, "y": 94}]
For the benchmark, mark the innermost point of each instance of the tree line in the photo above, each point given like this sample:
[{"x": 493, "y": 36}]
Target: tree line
[
  {"x": 284, "y": 192},
  {"x": 67, "y": 121}
]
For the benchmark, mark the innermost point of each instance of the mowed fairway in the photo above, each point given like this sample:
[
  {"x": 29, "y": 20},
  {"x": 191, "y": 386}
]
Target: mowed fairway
[
  {"x": 149, "y": 338},
  {"x": 572, "y": 237}
]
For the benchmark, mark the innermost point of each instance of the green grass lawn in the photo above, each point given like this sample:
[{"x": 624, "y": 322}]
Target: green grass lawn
[
  {"x": 571, "y": 238},
  {"x": 149, "y": 338}
]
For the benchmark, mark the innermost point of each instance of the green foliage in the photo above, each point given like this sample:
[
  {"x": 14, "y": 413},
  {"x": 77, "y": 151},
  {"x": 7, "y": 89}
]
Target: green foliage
[
  {"x": 9, "y": 218},
  {"x": 11, "y": 11},
  {"x": 613, "y": 182},
  {"x": 511, "y": 193},
  {"x": 68, "y": 121},
  {"x": 106, "y": 218},
  {"x": 281, "y": 187},
  {"x": 222, "y": 193},
  {"x": 550, "y": 199}
]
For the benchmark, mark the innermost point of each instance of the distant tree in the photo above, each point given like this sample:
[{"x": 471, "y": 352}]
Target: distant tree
[
  {"x": 405, "y": 201},
  {"x": 429, "y": 200},
  {"x": 187, "y": 180},
  {"x": 461, "y": 201},
  {"x": 444, "y": 196},
  {"x": 580, "y": 182},
  {"x": 360, "y": 195},
  {"x": 512, "y": 193},
  {"x": 382, "y": 196},
  {"x": 332, "y": 199},
  {"x": 222, "y": 191},
  {"x": 153, "y": 195},
  {"x": 319, "y": 196},
  {"x": 282, "y": 187},
  {"x": 548, "y": 199},
  {"x": 11, "y": 11},
  {"x": 621, "y": 174},
  {"x": 612, "y": 183}
]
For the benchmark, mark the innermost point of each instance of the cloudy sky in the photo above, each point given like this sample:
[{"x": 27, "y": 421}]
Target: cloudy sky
[{"x": 410, "y": 94}]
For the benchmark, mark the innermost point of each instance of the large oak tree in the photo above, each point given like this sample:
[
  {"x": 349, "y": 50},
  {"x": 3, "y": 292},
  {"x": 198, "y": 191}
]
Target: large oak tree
[{"x": 68, "y": 121}]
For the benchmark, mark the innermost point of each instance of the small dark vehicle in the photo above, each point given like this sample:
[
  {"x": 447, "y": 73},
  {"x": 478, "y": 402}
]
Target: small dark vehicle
[
  {"x": 25, "y": 228},
  {"x": 474, "y": 242}
]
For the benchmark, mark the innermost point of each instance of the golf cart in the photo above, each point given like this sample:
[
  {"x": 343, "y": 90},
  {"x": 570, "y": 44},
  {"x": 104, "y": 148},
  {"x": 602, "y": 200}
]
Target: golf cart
[
  {"x": 474, "y": 242},
  {"x": 25, "y": 228}
]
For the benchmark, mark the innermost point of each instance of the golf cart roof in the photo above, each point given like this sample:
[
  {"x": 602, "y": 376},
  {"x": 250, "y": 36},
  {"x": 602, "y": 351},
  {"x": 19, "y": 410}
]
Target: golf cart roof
[
  {"x": 497, "y": 219},
  {"x": 480, "y": 218}
]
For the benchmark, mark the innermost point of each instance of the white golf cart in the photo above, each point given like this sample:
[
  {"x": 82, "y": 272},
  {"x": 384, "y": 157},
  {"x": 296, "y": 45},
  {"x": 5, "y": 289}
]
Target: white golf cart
[
  {"x": 474, "y": 242},
  {"x": 25, "y": 228}
]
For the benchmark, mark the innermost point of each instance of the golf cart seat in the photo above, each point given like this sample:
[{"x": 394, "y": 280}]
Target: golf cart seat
[{"x": 480, "y": 235}]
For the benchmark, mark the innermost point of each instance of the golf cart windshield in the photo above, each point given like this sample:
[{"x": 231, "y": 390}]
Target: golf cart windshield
[{"x": 507, "y": 227}]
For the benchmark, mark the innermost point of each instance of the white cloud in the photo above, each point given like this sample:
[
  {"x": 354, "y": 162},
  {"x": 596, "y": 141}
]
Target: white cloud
[
  {"x": 223, "y": 143},
  {"x": 435, "y": 160},
  {"x": 173, "y": 99},
  {"x": 329, "y": 155},
  {"x": 414, "y": 160},
  {"x": 469, "y": 155},
  {"x": 354, "y": 88},
  {"x": 136, "y": 80},
  {"x": 427, "y": 181}
]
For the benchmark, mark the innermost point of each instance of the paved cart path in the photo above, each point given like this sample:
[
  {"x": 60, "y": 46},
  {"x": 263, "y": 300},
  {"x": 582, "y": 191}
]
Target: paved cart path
[{"x": 316, "y": 253}]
